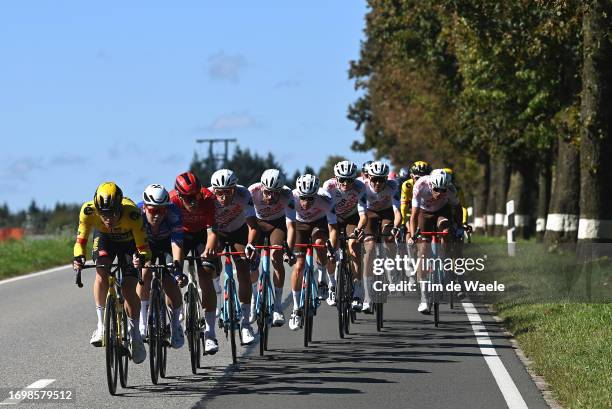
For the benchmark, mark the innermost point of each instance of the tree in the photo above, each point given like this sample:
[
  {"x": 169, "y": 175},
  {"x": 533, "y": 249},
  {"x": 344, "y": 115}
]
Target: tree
[{"x": 327, "y": 170}]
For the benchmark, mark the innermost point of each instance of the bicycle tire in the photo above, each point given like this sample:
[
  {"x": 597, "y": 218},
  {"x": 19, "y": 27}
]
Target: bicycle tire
[
  {"x": 340, "y": 300},
  {"x": 306, "y": 309},
  {"x": 192, "y": 332},
  {"x": 379, "y": 316},
  {"x": 262, "y": 319},
  {"x": 154, "y": 341},
  {"x": 165, "y": 335},
  {"x": 436, "y": 314},
  {"x": 124, "y": 356},
  {"x": 110, "y": 341},
  {"x": 232, "y": 319}
]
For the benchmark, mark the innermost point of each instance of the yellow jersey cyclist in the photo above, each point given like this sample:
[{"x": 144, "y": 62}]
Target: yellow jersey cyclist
[
  {"x": 118, "y": 231},
  {"x": 419, "y": 168}
]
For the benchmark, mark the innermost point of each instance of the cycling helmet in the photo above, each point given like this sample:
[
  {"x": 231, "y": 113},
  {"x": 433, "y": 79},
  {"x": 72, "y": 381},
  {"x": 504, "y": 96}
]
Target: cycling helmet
[
  {"x": 378, "y": 169},
  {"x": 307, "y": 185},
  {"x": 403, "y": 173},
  {"x": 345, "y": 169},
  {"x": 272, "y": 179},
  {"x": 156, "y": 195},
  {"x": 187, "y": 184},
  {"x": 450, "y": 173},
  {"x": 420, "y": 168},
  {"x": 223, "y": 179},
  {"x": 439, "y": 179},
  {"x": 108, "y": 197},
  {"x": 364, "y": 167}
]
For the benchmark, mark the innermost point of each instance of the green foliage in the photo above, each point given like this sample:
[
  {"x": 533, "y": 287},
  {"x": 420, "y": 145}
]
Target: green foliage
[
  {"x": 327, "y": 170},
  {"x": 247, "y": 166},
  {"x": 25, "y": 256}
]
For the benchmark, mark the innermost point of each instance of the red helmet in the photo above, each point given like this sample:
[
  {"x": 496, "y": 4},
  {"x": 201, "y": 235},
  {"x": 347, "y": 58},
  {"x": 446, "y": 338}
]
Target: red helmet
[{"x": 187, "y": 184}]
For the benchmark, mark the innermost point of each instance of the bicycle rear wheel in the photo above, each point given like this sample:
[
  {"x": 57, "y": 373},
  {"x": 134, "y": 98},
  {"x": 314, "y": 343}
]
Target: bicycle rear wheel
[
  {"x": 110, "y": 344},
  {"x": 165, "y": 334},
  {"x": 123, "y": 349},
  {"x": 379, "y": 315}
]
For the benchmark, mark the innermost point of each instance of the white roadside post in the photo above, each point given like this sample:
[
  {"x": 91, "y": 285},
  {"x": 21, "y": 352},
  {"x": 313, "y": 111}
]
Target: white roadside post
[{"x": 510, "y": 232}]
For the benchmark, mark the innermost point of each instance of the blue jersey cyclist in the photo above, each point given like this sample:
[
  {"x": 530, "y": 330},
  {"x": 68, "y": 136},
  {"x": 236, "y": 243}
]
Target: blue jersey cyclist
[{"x": 164, "y": 228}]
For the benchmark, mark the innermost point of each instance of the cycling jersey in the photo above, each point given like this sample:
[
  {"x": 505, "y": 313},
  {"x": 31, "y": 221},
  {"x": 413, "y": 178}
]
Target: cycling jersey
[
  {"x": 422, "y": 196},
  {"x": 199, "y": 219},
  {"x": 231, "y": 217},
  {"x": 347, "y": 202},
  {"x": 386, "y": 198},
  {"x": 171, "y": 226},
  {"x": 283, "y": 206},
  {"x": 406, "y": 199},
  {"x": 129, "y": 227},
  {"x": 323, "y": 206}
]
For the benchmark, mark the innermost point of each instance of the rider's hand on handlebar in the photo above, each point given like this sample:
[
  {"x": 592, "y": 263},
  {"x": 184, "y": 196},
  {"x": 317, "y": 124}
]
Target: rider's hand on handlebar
[
  {"x": 78, "y": 263},
  {"x": 136, "y": 261},
  {"x": 179, "y": 276},
  {"x": 359, "y": 233},
  {"x": 209, "y": 252},
  {"x": 250, "y": 251}
]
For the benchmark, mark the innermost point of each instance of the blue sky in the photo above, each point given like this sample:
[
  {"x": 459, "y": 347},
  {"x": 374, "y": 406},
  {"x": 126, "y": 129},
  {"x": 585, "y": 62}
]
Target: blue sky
[{"x": 93, "y": 92}]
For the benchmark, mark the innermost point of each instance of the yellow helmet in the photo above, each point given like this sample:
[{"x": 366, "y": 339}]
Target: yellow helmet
[
  {"x": 448, "y": 170},
  {"x": 420, "y": 168},
  {"x": 108, "y": 198}
]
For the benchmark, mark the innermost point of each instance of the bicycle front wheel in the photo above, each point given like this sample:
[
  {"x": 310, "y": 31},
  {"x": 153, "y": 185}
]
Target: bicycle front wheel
[
  {"x": 340, "y": 299},
  {"x": 191, "y": 324},
  {"x": 232, "y": 319},
  {"x": 123, "y": 351},
  {"x": 262, "y": 320},
  {"x": 154, "y": 340},
  {"x": 110, "y": 344}
]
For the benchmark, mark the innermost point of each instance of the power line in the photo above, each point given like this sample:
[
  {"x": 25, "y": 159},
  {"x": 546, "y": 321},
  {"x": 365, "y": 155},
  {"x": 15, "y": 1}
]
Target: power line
[{"x": 223, "y": 157}]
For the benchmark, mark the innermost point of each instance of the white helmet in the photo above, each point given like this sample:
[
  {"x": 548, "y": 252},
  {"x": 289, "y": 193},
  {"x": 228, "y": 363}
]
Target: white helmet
[
  {"x": 156, "y": 195},
  {"x": 272, "y": 179},
  {"x": 439, "y": 179},
  {"x": 307, "y": 185},
  {"x": 378, "y": 169},
  {"x": 345, "y": 169},
  {"x": 223, "y": 178}
]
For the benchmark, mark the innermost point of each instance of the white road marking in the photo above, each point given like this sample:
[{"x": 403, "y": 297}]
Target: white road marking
[
  {"x": 506, "y": 385},
  {"x": 39, "y": 384},
  {"x": 40, "y": 273}
]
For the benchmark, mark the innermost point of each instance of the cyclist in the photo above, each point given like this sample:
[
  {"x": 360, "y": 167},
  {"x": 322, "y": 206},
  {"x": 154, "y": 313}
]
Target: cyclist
[
  {"x": 162, "y": 221},
  {"x": 434, "y": 207},
  {"x": 460, "y": 196},
  {"x": 418, "y": 169},
  {"x": 402, "y": 175},
  {"x": 349, "y": 195},
  {"x": 316, "y": 223},
  {"x": 364, "y": 171},
  {"x": 382, "y": 210},
  {"x": 118, "y": 231},
  {"x": 236, "y": 226},
  {"x": 275, "y": 212},
  {"x": 197, "y": 207}
]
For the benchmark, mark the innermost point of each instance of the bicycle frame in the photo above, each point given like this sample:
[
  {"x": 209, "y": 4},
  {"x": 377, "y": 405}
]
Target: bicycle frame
[
  {"x": 309, "y": 295},
  {"x": 232, "y": 313},
  {"x": 436, "y": 275},
  {"x": 193, "y": 313},
  {"x": 265, "y": 298}
]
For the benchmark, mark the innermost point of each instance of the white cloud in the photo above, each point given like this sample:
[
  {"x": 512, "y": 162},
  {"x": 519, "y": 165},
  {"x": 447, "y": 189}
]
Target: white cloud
[{"x": 226, "y": 67}]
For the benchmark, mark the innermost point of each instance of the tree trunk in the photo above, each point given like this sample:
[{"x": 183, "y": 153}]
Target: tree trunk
[
  {"x": 521, "y": 187},
  {"x": 562, "y": 219},
  {"x": 544, "y": 185},
  {"x": 491, "y": 197},
  {"x": 596, "y": 112},
  {"x": 501, "y": 186},
  {"x": 481, "y": 196}
]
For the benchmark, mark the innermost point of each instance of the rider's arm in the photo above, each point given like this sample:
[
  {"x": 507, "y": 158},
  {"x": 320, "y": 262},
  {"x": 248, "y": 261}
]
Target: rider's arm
[
  {"x": 252, "y": 224},
  {"x": 404, "y": 203},
  {"x": 333, "y": 234},
  {"x": 363, "y": 219},
  {"x": 397, "y": 222},
  {"x": 414, "y": 216},
  {"x": 290, "y": 234},
  {"x": 138, "y": 232},
  {"x": 87, "y": 212}
]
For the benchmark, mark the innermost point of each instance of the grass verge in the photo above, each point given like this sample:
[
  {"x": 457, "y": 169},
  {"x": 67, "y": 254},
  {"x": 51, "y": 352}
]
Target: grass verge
[{"x": 29, "y": 255}]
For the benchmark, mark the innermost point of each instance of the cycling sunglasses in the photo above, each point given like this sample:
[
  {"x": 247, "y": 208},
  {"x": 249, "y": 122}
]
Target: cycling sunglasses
[
  {"x": 346, "y": 180},
  {"x": 224, "y": 192},
  {"x": 378, "y": 179},
  {"x": 156, "y": 209},
  {"x": 307, "y": 198},
  {"x": 191, "y": 199},
  {"x": 439, "y": 189}
]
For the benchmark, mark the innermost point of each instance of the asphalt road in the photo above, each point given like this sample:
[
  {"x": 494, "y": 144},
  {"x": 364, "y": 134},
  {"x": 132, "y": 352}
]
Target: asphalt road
[{"x": 46, "y": 322}]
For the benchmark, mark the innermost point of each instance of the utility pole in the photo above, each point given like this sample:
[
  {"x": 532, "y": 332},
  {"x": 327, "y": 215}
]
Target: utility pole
[{"x": 211, "y": 152}]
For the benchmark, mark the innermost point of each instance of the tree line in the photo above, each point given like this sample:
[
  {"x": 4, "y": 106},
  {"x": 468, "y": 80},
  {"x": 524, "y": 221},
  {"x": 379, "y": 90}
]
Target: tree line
[{"x": 514, "y": 95}]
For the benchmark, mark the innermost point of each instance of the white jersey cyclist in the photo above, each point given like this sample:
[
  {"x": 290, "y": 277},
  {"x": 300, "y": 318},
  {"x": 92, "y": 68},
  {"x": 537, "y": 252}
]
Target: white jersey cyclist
[
  {"x": 422, "y": 196},
  {"x": 347, "y": 202},
  {"x": 231, "y": 217},
  {"x": 285, "y": 205},
  {"x": 386, "y": 198},
  {"x": 323, "y": 206}
]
